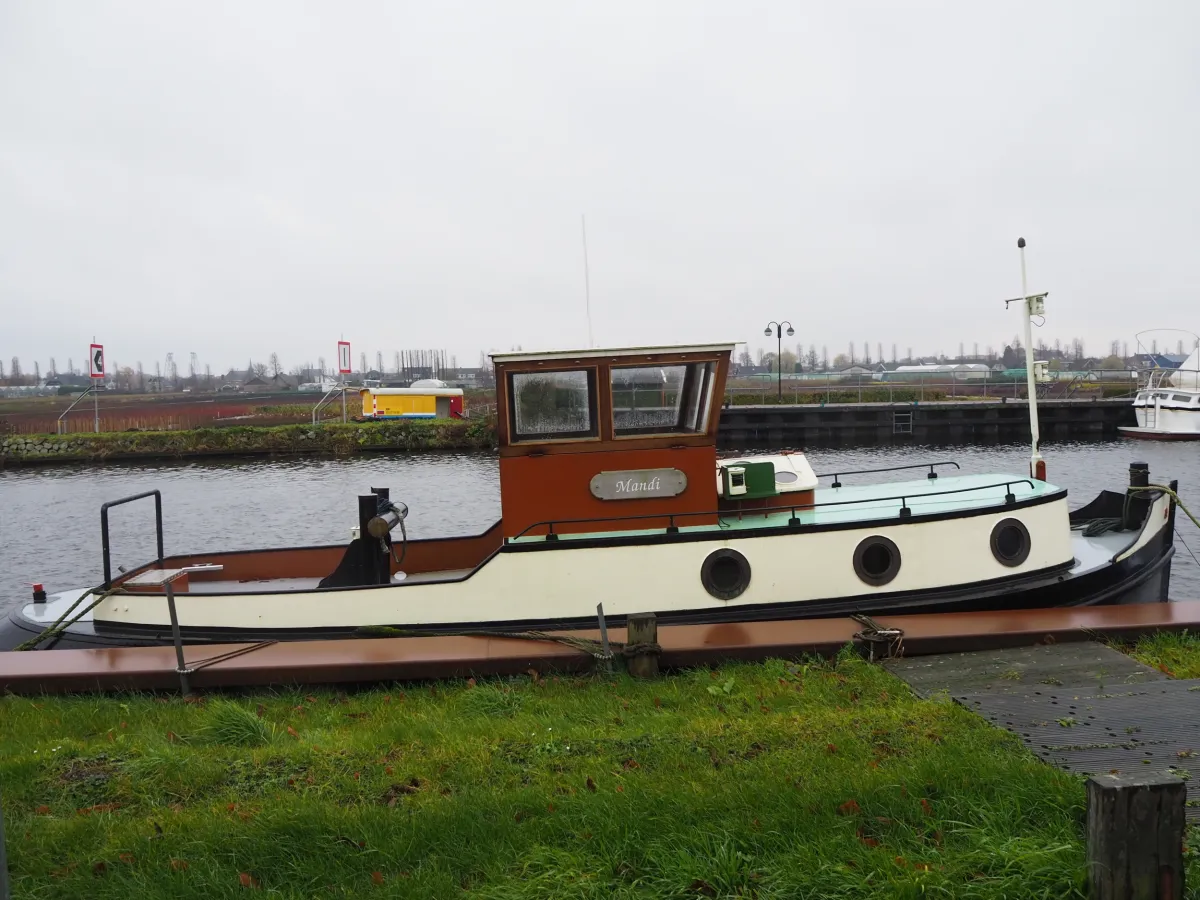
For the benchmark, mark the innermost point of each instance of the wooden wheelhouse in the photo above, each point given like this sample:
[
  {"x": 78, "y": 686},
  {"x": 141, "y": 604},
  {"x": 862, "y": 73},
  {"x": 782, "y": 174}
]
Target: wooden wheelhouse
[{"x": 602, "y": 440}]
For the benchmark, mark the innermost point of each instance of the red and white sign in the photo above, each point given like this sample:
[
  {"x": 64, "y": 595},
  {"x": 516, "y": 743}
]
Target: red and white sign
[
  {"x": 96, "y": 361},
  {"x": 344, "y": 357}
]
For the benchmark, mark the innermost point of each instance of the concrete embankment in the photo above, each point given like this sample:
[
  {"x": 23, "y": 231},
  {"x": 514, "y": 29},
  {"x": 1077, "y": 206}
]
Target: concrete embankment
[{"x": 334, "y": 440}]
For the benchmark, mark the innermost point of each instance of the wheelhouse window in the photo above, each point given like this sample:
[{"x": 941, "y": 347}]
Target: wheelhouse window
[
  {"x": 1181, "y": 398},
  {"x": 549, "y": 406},
  {"x": 668, "y": 399}
]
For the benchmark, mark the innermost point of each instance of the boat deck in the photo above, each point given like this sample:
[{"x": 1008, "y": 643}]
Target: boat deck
[{"x": 862, "y": 503}]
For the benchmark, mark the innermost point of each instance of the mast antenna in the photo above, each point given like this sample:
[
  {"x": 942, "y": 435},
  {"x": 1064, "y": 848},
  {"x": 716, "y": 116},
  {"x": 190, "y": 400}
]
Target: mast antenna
[{"x": 587, "y": 287}]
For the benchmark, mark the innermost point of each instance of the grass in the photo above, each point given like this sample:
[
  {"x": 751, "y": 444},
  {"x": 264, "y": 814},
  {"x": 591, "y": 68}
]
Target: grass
[
  {"x": 788, "y": 780},
  {"x": 1175, "y": 653},
  {"x": 331, "y": 438}
]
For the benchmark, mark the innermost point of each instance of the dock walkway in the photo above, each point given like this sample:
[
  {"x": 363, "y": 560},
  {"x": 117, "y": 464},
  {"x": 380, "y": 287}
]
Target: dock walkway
[{"x": 1083, "y": 707}]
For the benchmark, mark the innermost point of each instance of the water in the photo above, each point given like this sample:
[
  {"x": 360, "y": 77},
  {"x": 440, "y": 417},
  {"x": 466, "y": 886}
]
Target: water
[{"x": 50, "y": 518}]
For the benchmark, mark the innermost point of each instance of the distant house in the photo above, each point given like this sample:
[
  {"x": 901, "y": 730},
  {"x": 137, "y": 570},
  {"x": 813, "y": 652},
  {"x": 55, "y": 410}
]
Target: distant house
[
  {"x": 741, "y": 371},
  {"x": 1157, "y": 360},
  {"x": 857, "y": 369}
]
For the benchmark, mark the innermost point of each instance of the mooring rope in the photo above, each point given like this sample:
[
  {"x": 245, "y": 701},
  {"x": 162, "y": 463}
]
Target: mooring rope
[
  {"x": 60, "y": 626},
  {"x": 587, "y": 645},
  {"x": 1170, "y": 493}
]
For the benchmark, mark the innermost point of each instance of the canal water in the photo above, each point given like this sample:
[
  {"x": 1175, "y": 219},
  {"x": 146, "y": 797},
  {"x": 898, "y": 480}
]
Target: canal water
[{"x": 50, "y": 518}]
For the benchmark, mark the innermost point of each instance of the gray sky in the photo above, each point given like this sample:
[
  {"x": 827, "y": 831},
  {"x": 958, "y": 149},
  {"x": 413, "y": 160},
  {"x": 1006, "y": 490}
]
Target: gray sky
[{"x": 236, "y": 178}]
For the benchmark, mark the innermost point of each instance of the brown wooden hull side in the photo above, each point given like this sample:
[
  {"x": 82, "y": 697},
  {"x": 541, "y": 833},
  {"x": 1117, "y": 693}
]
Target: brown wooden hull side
[{"x": 536, "y": 488}]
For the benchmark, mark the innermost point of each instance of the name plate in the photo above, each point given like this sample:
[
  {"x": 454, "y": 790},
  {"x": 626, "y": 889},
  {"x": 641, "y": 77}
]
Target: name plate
[{"x": 638, "y": 484}]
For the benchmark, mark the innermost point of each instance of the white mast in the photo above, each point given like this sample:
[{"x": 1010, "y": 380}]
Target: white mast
[{"x": 1032, "y": 306}]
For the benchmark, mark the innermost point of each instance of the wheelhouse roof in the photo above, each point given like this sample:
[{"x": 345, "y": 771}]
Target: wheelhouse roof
[{"x": 611, "y": 352}]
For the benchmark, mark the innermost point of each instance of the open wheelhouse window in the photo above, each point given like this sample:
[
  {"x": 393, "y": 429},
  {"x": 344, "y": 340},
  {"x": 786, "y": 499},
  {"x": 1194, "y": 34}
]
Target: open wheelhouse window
[
  {"x": 553, "y": 406},
  {"x": 666, "y": 399}
]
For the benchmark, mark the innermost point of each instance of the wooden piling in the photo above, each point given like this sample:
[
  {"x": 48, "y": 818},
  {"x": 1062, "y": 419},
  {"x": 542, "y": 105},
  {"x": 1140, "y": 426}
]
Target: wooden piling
[
  {"x": 1135, "y": 827},
  {"x": 641, "y": 645}
]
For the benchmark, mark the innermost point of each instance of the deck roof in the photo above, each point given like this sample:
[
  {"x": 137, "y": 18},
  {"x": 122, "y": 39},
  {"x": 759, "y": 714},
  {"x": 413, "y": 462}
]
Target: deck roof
[{"x": 610, "y": 352}]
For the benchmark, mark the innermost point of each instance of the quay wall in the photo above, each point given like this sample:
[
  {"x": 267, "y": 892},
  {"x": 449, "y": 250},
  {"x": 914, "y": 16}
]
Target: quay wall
[{"x": 937, "y": 422}]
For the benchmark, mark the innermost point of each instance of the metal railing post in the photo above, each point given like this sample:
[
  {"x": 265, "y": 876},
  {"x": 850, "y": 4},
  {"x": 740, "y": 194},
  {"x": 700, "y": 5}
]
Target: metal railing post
[
  {"x": 177, "y": 639},
  {"x": 608, "y": 665}
]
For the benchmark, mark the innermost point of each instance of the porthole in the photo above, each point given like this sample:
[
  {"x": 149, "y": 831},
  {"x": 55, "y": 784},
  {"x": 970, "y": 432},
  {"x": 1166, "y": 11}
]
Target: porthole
[
  {"x": 785, "y": 477},
  {"x": 1010, "y": 542},
  {"x": 876, "y": 560},
  {"x": 725, "y": 574}
]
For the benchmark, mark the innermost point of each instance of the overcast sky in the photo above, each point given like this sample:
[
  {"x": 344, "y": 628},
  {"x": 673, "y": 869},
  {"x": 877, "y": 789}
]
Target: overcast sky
[{"x": 237, "y": 178}]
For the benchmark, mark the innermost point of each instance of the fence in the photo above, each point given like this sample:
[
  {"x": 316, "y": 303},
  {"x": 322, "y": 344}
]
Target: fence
[{"x": 839, "y": 389}]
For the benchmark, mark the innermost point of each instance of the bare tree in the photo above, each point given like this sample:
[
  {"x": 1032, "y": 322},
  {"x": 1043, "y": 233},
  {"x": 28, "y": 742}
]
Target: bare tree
[
  {"x": 37, "y": 373},
  {"x": 141, "y": 378},
  {"x": 893, "y": 354},
  {"x": 908, "y": 356},
  {"x": 1154, "y": 346},
  {"x": 260, "y": 370},
  {"x": 273, "y": 362},
  {"x": 975, "y": 350},
  {"x": 362, "y": 364},
  {"x": 321, "y": 365},
  {"x": 53, "y": 370},
  {"x": 70, "y": 367},
  {"x": 15, "y": 372},
  {"x": 208, "y": 379},
  {"x": 811, "y": 358},
  {"x": 852, "y": 353},
  {"x": 879, "y": 352},
  {"x": 962, "y": 352},
  {"x": 744, "y": 358},
  {"x": 866, "y": 352},
  {"x": 825, "y": 357}
]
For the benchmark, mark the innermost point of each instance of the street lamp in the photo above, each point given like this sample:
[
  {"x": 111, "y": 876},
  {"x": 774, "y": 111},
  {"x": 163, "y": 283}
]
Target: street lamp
[{"x": 779, "y": 348}]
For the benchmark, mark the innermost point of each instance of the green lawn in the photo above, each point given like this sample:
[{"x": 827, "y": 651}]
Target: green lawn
[
  {"x": 776, "y": 780},
  {"x": 1177, "y": 654}
]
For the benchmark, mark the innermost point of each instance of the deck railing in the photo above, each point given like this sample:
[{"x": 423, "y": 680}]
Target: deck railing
[
  {"x": 931, "y": 466},
  {"x": 158, "y": 529},
  {"x": 793, "y": 522}
]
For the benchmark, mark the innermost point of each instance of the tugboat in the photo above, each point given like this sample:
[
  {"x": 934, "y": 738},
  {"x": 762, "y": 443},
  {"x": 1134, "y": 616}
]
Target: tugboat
[{"x": 612, "y": 493}]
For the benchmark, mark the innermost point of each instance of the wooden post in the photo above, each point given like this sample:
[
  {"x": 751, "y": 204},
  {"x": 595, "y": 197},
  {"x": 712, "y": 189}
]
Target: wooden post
[
  {"x": 1135, "y": 827},
  {"x": 641, "y": 645}
]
